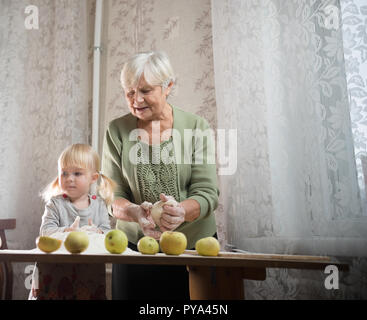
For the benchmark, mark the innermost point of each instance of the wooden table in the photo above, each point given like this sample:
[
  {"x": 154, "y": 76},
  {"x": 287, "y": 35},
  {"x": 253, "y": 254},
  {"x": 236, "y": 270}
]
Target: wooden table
[{"x": 210, "y": 277}]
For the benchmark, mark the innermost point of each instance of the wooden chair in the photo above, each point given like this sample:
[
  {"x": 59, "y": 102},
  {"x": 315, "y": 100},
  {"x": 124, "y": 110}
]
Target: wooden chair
[{"x": 6, "y": 270}]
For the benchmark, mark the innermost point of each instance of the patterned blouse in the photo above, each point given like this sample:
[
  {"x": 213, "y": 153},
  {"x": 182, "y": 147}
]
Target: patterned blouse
[{"x": 159, "y": 175}]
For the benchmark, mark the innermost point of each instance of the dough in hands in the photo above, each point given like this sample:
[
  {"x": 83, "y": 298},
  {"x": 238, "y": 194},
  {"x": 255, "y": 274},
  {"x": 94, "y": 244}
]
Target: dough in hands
[
  {"x": 157, "y": 209},
  {"x": 146, "y": 205}
]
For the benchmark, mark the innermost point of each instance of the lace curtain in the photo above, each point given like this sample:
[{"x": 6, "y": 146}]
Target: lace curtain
[
  {"x": 280, "y": 80},
  {"x": 44, "y": 92},
  {"x": 354, "y": 26}
]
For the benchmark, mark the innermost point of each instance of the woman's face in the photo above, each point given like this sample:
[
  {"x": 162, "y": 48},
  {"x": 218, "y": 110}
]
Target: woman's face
[{"x": 146, "y": 102}]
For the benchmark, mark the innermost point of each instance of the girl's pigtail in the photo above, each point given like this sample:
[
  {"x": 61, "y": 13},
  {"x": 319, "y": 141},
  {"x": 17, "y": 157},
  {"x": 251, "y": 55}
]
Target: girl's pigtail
[
  {"x": 52, "y": 189},
  {"x": 106, "y": 189}
]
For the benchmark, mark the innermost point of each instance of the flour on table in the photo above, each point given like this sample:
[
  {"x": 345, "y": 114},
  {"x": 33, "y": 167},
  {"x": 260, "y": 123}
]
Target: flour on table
[{"x": 96, "y": 243}]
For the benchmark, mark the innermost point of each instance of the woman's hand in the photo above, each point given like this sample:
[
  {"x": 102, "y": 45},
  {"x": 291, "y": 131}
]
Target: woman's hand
[
  {"x": 141, "y": 215},
  {"x": 127, "y": 211},
  {"x": 172, "y": 216}
]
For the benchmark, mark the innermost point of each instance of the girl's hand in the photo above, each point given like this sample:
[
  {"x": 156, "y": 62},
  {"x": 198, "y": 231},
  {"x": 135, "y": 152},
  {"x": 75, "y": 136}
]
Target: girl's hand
[
  {"x": 172, "y": 216},
  {"x": 91, "y": 227},
  {"x": 74, "y": 226}
]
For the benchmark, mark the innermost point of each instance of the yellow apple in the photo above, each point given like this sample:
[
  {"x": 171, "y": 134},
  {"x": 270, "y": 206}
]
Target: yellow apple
[
  {"x": 207, "y": 246},
  {"x": 48, "y": 244},
  {"x": 76, "y": 242},
  {"x": 148, "y": 245},
  {"x": 116, "y": 241},
  {"x": 173, "y": 242}
]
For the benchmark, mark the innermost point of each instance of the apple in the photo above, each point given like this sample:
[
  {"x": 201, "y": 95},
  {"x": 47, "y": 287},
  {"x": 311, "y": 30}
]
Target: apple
[
  {"x": 208, "y": 246},
  {"x": 148, "y": 245},
  {"x": 173, "y": 242},
  {"x": 76, "y": 242},
  {"x": 116, "y": 241},
  {"x": 48, "y": 244}
]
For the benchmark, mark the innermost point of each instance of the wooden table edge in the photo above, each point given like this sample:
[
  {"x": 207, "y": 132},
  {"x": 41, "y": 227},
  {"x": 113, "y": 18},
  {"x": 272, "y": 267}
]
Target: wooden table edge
[{"x": 250, "y": 262}]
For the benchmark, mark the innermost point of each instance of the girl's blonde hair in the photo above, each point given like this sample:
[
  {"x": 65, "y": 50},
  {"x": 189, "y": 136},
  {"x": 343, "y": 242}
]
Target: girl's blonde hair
[{"x": 81, "y": 156}]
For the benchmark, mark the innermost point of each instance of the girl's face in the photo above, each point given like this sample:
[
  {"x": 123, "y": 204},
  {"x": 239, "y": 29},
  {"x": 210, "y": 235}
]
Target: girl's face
[
  {"x": 146, "y": 102},
  {"x": 75, "y": 182}
]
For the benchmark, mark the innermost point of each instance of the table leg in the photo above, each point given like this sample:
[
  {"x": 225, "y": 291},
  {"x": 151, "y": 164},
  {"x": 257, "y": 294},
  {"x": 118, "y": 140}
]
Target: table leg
[
  {"x": 209, "y": 283},
  {"x": 221, "y": 283}
]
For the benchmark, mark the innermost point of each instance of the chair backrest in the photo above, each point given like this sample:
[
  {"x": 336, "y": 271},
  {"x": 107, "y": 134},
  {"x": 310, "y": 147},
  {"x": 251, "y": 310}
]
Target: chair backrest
[{"x": 6, "y": 271}]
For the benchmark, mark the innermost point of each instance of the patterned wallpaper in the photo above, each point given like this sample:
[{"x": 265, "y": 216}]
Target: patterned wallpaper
[{"x": 180, "y": 28}]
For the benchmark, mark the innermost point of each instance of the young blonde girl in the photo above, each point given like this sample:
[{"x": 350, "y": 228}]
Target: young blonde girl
[
  {"x": 71, "y": 206},
  {"x": 68, "y": 195}
]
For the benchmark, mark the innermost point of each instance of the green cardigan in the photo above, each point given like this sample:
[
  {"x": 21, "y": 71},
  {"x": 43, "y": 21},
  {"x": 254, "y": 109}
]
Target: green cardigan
[{"x": 196, "y": 181}]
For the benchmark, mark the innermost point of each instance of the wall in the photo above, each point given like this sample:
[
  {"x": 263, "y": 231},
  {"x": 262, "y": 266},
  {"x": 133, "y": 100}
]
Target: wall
[{"x": 182, "y": 29}]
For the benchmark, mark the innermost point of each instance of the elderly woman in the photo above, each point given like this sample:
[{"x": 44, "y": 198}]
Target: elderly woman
[{"x": 147, "y": 153}]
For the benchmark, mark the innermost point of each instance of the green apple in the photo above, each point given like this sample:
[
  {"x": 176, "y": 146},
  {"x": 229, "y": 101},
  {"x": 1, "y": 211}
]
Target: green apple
[
  {"x": 76, "y": 242},
  {"x": 48, "y": 244},
  {"x": 148, "y": 245},
  {"x": 208, "y": 246},
  {"x": 116, "y": 241},
  {"x": 173, "y": 242}
]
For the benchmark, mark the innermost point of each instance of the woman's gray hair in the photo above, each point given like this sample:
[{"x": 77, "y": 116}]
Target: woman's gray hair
[{"x": 154, "y": 65}]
